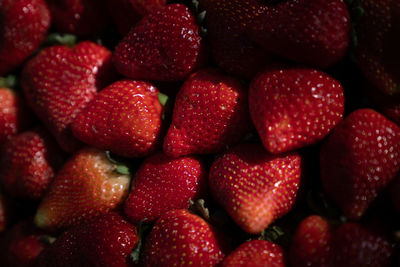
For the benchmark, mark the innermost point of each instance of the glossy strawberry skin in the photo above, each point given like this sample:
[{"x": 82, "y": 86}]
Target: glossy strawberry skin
[
  {"x": 253, "y": 186},
  {"x": 14, "y": 114},
  {"x": 86, "y": 186},
  {"x": 181, "y": 238},
  {"x": 126, "y": 13},
  {"x": 162, "y": 184},
  {"x": 21, "y": 245},
  {"x": 24, "y": 27},
  {"x": 106, "y": 240},
  {"x": 359, "y": 159},
  {"x": 314, "y": 32},
  {"x": 210, "y": 113},
  {"x": 293, "y": 108},
  {"x": 312, "y": 243},
  {"x": 164, "y": 46},
  {"x": 29, "y": 162},
  {"x": 80, "y": 17},
  {"x": 256, "y": 253},
  {"x": 227, "y": 22},
  {"x": 60, "y": 81},
  {"x": 125, "y": 118},
  {"x": 377, "y": 49}
]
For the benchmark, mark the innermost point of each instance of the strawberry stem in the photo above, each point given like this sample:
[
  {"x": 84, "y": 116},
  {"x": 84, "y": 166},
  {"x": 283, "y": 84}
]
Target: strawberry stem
[
  {"x": 8, "y": 82},
  {"x": 162, "y": 98}
]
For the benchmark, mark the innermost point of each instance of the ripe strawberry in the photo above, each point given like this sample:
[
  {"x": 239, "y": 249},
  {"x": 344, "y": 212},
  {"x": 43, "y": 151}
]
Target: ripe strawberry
[
  {"x": 28, "y": 163},
  {"x": 164, "y": 46},
  {"x": 227, "y": 22},
  {"x": 80, "y": 17},
  {"x": 162, "y": 184},
  {"x": 314, "y": 32},
  {"x": 312, "y": 243},
  {"x": 21, "y": 245},
  {"x": 359, "y": 159},
  {"x": 104, "y": 241},
  {"x": 86, "y": 186},
  {"x": 253, "y": 186},
  {"x": 24, "y": 25},
  {"x": 180, "y": 238},
  {"x": 60, "y": 81},
  {"x": 377, "y": 48},
  {"x": 293, "y": 108},
  {"x": 124, "y": 118},
  {"x": 358, "y": 246},
  {"x": 210, "y": 113},
  {"x": 256, "y": 253},
  {"x": 126, "y": 13},
  {"x": 14, "y": 114}
]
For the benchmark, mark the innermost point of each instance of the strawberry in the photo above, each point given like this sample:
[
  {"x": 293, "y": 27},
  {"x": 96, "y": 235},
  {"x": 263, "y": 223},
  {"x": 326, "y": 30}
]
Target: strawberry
[
  {"x": 210, "y": 113},
  {"x": 293, "y": 108},
  {"x": 164, "y": 46},
  {"x": 314, "y": 32},
  {"x": 359, "y": 159},
  {"x": 28, "y": 163},
  {"x": 318, "y": 242},
  {"x": 355, "y": 245},
  {"x": 312, "y": 243},
  {"x": 253, "y": 186},
  {"x": 21, "y": 245},
  {"x": 80, "y": 17},
  {"x": 60, "y": 81},
  {"x": 104, "y": 241},
  {"x": 24, "y": 25},
  {"x": 126, "y": 13},
  {"x": 180, "y": 238},
  {"x": 377, "y": 47},
  {"x": 256, "y": 253},
  {"x": 162, "y": 184},
  {"x": 227, "y": 22},
  {"x": 14, "y": 114},
  {"x": 88, "y": 184},
  {"x": 124, "y": 118}
]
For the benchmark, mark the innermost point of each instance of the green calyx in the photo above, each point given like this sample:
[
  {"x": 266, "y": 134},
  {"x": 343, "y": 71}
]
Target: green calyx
[
  {"x": 120, "y": 168},
  {"x": 272, "y": 234},
  {"x": 162, "y": 98},
  {"x": 61, "y": 39},
  {"x": 8, "y": 82},
  {"x": 142, "y": 230}
]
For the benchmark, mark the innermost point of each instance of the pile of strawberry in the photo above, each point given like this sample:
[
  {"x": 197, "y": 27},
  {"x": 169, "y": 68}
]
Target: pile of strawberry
[{"x": 200, "y": 133}]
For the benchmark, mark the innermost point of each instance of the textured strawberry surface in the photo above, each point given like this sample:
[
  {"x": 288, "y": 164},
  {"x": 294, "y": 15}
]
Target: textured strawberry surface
[
  {"x": 60, "y": 81},
  {"x": 253, "y": 186},
  {"x": 124, "y": 118},
  {"x": 359, "y": 159},
  {"x": 23, "y": 27},
  {"x": 162, "y": 184}
]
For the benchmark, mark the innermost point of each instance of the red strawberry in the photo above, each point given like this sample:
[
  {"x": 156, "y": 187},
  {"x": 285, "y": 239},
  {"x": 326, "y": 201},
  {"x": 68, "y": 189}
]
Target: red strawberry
[
  {"x": 164, "y": 46},
  {"x": 87, "y": 185},
  {"x": 358, "y": 246},
  {"x": 210, "y": 113},
  {"x": 60, "y": 81},
  {"x": 162, "y": 184},
  {"x": 14, "y": 114},
  {"x": 24, "y": 25},
  {"x": 378, "y": 43},
  {"x": 256, "y": 253},
  {"x": 28, "y": 163},
  {"x": 104, "y": 241},
  {"x": 232, "y": 50},
  {"x": 180, "y": 238},
  {"x": 314, "y": 32},
  {"x": 255, "y": 187},
  {"x": 124, "y": 118},
  {"x": 5, "y": 212},
  {"x": 359, "y": 159},
  {"x": 126, "y": 13},
  {"x": 80, "y": 17},
  {"x": 21, "y": 245},
  {"x": 312, "y": 243},
  {"x": 293, "y": 108}
]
